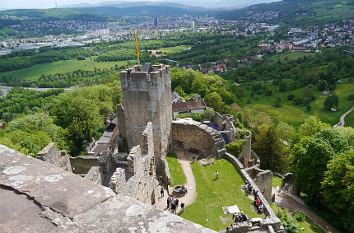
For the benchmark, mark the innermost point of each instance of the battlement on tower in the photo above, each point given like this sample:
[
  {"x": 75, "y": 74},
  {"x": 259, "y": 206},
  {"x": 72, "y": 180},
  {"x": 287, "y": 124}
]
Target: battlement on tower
[{"x": 146, "y": 78}]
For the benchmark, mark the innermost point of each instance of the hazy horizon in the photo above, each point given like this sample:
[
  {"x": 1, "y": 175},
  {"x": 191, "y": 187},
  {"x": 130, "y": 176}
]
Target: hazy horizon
[{"x": 40, "y": 4}]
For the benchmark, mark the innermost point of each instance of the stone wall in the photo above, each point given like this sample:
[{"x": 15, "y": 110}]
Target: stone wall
[
  {"x": 289, "y": 185},
  {"x": 271, "y": 218},
  {"x": 225, "y": 123},
  {"x": 263, "y": 179},
  {"x": 81, "y": 165},
  {"x": 197, "y": 137},
  {"x": 248, "y": 157},
  {"x": 95, "y": 175},
  {"x": 42, "y": 198},
  {"x": 52, "y": 155},
  {"x": 147, "y": 98},
  {"x": 138, "y": 180}
]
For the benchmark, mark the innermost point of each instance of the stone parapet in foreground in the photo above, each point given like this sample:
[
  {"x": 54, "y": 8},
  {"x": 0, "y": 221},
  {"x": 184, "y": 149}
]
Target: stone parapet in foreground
[{"x": 39, "y": 197}]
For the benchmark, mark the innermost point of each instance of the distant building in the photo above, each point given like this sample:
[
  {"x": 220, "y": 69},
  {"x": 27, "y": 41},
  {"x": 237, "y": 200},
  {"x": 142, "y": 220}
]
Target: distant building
[
  {"x": 194, "y": 106},
  {"x": 156, "y": 22}
]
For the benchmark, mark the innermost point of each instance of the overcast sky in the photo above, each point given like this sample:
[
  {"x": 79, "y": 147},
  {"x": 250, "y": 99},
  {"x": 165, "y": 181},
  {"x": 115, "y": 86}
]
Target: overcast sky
[{"x": 21, "y": 4}]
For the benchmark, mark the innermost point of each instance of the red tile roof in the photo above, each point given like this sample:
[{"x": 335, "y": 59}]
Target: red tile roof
[{"x": 188, "y": 106}]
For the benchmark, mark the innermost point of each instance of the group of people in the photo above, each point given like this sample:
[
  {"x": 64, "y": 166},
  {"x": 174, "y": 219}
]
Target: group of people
[
  {"x": 258, "y": 203},
  {"x": 239, "y": 217},
  {"x": 172, "y": 204},
  {"x": 248, "y": 188}
]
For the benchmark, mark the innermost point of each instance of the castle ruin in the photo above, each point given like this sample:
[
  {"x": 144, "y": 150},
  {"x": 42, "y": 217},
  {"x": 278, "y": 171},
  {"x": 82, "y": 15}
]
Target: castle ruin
[
  {"x": 130, "y": 159},
  {"x": 146, "y": 92}
]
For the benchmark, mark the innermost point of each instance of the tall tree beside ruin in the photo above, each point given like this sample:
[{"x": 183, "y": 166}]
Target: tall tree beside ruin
[
  {"x": 338, "y": 188},
  {"x": 311, "y": 156},
  {"x": 271, "y": 151}
]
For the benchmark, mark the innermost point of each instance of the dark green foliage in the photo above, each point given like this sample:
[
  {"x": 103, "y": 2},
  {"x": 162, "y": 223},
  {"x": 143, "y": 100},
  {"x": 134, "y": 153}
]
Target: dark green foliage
[
  {"x": 338, "y": 189},
  {"x": 287, "y": 221},
  {"x": 268, "y": 146},
  {"x": 22, "y": 101},
  {"x": 311, "y": 156},
  {"x": 334, "y": 138},
  {"x": 351, "y": 97},
  {"x": 235, "y": 147},
  {"x": 82, "y": 114},
  {"x": 331, "y": 102},
  {"x": 277, "y": 102},
  {"x": 31, "y": 133},
  {"x": 299, "y": 216}
]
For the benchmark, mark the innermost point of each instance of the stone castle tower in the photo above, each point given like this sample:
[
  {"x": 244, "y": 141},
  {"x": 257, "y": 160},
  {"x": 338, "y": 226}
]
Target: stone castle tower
[{"x": 147, "y": 98}]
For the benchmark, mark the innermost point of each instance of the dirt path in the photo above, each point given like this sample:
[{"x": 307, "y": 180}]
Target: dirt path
[
  {"x": 293, "y": 203},
  {"x": 190, "y": 197},
  {"x": 342, "y": 118}
]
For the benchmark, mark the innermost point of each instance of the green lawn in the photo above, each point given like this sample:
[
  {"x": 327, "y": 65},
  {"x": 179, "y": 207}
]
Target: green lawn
[
  {"x": 176, "y": 171},
  {"x": 213, "y": 195},
  {"x": 295, "y": 115},
  {"x": 342, "y": 91},
  {"x": 276, "y": 181},
  {"x": 34, "y": 72},
  {"x": 174, "y": 50}
]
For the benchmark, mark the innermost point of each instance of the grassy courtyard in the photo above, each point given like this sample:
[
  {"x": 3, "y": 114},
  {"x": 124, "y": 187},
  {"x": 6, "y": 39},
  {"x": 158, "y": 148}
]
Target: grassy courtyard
[
  {"x": 176, "y": 171},
  {"x": 213, "y": 195}
]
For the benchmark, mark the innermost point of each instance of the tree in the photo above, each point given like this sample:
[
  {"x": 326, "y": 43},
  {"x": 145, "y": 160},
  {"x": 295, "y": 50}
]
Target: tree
[
  {"x": 31, "y": 133},
  {"x": 277, "y": 102},
  {"x": 337, "y": 188},
  {"x": 271, "y": 151},
  {"x": 235, "y": 147},
  {"x": 334, "y": 138},
  {"x": 331, "y": 102},
  {"x": 254, "y": 119},
  {"x": 214, "y": 100},
  {"x": 311, "y": 126},
  {"x": 311, "y": 156},
  {"x": 283, "y": 86},
  {"x": 81, "y": 113},
  {"x": 285, "y": 131}
]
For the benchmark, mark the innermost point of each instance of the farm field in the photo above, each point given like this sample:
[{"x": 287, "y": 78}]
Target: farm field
[
  {"x": 34, "y": 72},
  {"x": 176, "y": 49}
]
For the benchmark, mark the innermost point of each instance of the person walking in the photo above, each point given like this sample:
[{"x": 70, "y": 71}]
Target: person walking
[
  {"x": 182, "y": 206},
  {"x": 173, "y": 206},
  {"x": 169, "y": 200},
  {"x": 176, "y": 203},
  {"x": 216, "y": 175},
  {"x": 162, "y": 192}
]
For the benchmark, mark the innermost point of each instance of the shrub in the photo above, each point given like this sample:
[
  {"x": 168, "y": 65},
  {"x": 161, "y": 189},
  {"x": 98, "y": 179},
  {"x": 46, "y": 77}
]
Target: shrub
[
  {"x": 351, "y": 97},
  {"x": 299, "y": 216},
  {"x": 291, "y": 97}
]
